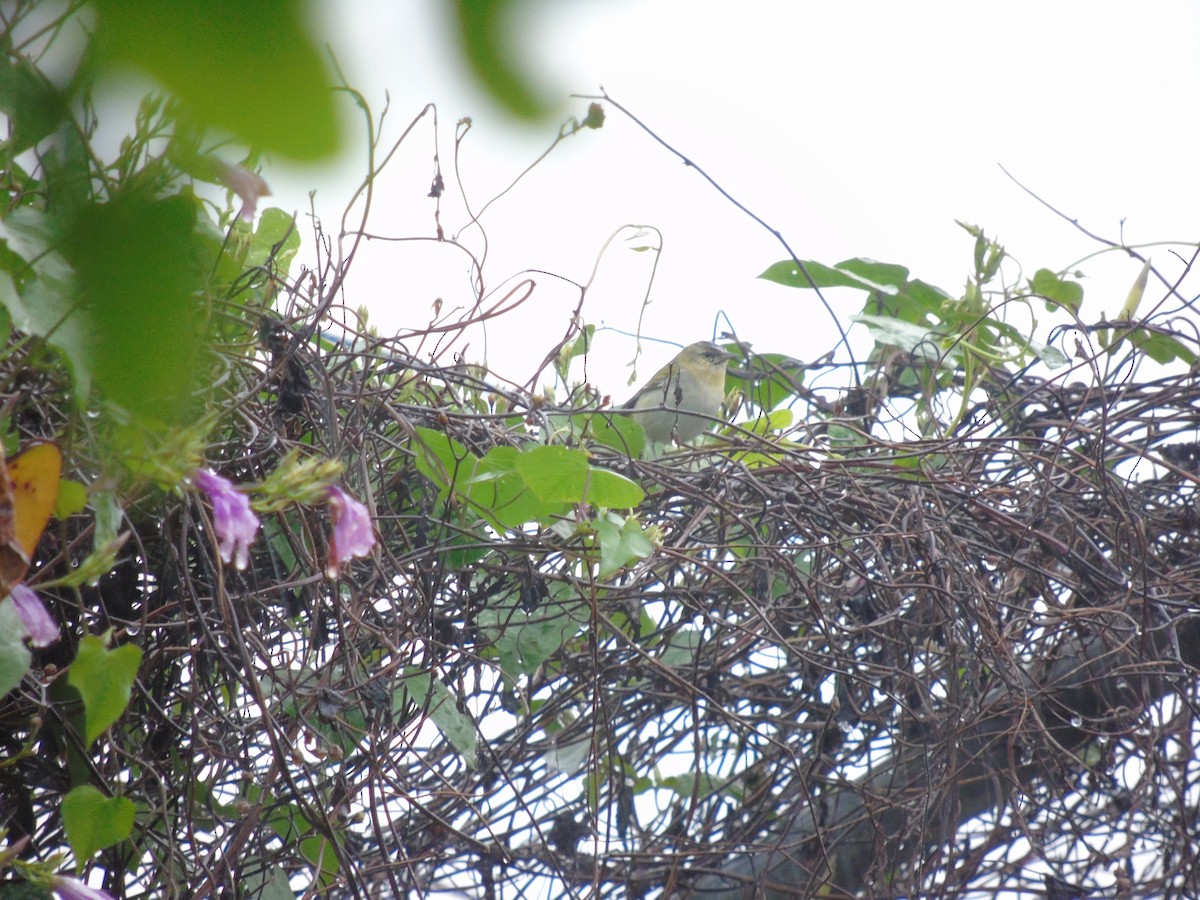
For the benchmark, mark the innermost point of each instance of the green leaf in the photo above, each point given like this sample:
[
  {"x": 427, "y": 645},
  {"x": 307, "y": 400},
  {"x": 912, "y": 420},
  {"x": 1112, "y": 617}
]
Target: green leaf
[
  {"x": 499, "y": 492},
  {"x": 276, "y": 238},
  {"x": 622, "y": 542},
  {"x": 882, "y": 275},
  {"x": 249, "y": 68},
  {"x": 1162, "y": 348},
  {"x": 613, "y": 490},
  {"x": 555, "y": 473},
  {"x": 690, "y": 785},
  {"x": 272, "y": 885},
  {"x": 622, "y": 433},
  {"x": 33, "y": 107},
  {"x": 1134, "y": 298},
  {"x": 579, "y": 347},
  {"x": 863, "y": 274},
  {"x": 104, "y": 679},
  {"x": 682, "y": 649},
  {"x": 68, "y": 176},
  {"x": 522, "y": 639},
  {"x": 1057, "y": 291},
  {"x": 93, "y": 822},
  {"x": 320, "y": 854},
  {"x": 486, "y": 31},
  {"x": 776, "y": 420},
  {"x": 72, "y": 499},
  {"x": 41, "y": 299},
  {"x": 14, "y": 655},
  {"x": 916, "y": 340},
  {"x": 770, "y": 379},
  {"x": 138, "y": 273},
  {"x": 106, "y": 542},
  {"x": 443, "y": 460},
  {"x": 924, "y": 296},
  {"x": 455, "y": 724}
]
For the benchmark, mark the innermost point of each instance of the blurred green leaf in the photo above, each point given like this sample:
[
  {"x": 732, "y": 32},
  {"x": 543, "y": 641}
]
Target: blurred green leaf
[
  {"x": 775, "y": 420},
  {"x": 682, "y": 648},
  {"x": 67, "y": 166},
  {"x": 138, "y": 276},
  {"x": 41, "y": 296},
  {"x": 486, "y": 28},
  {"x": 271, "y": 885},
  {"x": 33, "y": 106},
  {"x": 443, "y": 460},
  {"x": 93, "y": 822},
  {"x": 770, "y": 379},
  {"x": 1161, "y": 347},
  {"x": 578, "y": 347},
  {"x": 72, "y": 498},
  {"x": 249, "y": 68},
  {"x": 319, "y": 853}
]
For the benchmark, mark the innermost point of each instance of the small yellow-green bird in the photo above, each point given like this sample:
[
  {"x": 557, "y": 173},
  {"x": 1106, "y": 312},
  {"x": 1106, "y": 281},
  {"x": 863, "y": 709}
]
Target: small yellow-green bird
[{"x": 679, "y": 402}]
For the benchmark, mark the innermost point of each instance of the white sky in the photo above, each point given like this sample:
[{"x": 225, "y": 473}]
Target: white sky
[{"x": 857, "y": 129}]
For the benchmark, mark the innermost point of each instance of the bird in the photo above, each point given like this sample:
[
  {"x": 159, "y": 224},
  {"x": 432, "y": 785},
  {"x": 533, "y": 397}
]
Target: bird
[{"x": 680, "y": 401}]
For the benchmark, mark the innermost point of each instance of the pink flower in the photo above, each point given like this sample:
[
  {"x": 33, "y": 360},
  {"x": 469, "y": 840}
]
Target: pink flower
[
  {"x": 74, "y": 889},
  {"x": 235, "y": 523},
  {"x": 248, "y": 185},
  {"x": 43, "y": 630},
  {"x": 352, "y": 532}
]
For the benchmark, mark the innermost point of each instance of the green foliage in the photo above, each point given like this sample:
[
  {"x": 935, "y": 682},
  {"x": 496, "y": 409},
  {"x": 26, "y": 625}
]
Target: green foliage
[
  {"x": 436, "y": 699},
  {"x": 93, "y": 822},
  {"x": 621, "y": 433},
  {"x": 508, "y": 487},
  {"x": 34, "y": 108},
  {"x": 611, "y": 626},
  {"x": 107, "y": 542},
  {"x": 622, "y": 542},
  {"x": 104, "y": 679},
  {"x": 251, "y": 69},
  {"x": 137, "y": 268},
  {"x": 289, "y": 823},
  {"x": 72, "y": 499},
  {"x": 1057, "y": 290},
  {"x": 929, "y": 337},
  {"x": 523, "y": 636},
  {"x": 14, "y": 656},
  {"x": 39, "y": 293},
  {"x": 486, "y": 28}
]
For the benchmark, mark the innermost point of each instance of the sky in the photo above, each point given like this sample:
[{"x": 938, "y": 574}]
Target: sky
[{"x": 855, "y": 129}]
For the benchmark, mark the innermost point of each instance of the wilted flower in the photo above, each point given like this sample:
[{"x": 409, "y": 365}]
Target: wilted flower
[
  {"x": 248, "y": 185},
  {"x": 352, "y": 532},
  {"x": 235, "y": 522},
  {"x": 74, "y": 889}
]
